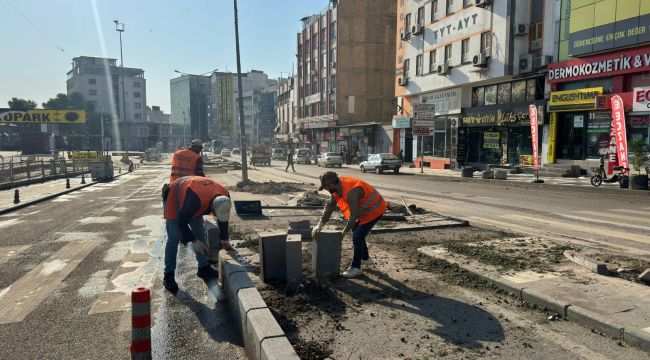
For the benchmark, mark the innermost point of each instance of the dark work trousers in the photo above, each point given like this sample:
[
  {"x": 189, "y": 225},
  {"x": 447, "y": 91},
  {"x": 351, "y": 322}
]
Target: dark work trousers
[
  {"x": 359, "y": 242},
  {"x": 290, "y": 163}
]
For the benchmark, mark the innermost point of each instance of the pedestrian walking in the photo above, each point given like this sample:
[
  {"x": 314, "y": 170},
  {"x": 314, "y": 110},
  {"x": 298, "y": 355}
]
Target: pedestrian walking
[
  {"x": 401, "y": 155},
  {"x": 188, "y": 199},
  {"x": 290, "y": 161},
  {"x": 361, "y": 204}
]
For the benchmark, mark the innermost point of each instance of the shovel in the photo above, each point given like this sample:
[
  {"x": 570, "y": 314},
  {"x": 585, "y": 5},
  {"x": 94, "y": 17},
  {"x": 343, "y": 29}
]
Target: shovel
[{"x": 254, "y": 207}]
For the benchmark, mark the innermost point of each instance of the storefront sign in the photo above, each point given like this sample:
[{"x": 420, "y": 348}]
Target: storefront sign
[
  {"x": 618, "y": 117},
  {"x": 318, "y": 124},
  {"x": 581, "y": 99},
  {"x": 421, "y": 131},
  {"x": 532, "y": 113},
  {"x": 444, "y": 102},
  {"x": 42, "y": 116},
  {"x": 639, "y": 121},
  {"x": 423, "y": 123},
  {"x": 499, "y": 116},
  {"x": 623, "y": 62},
  {"x": 491, "y": 140},
  {"x": 641, "y": 99},
  {"x": 552, "y": 129},
  {"x": 401, "y": 123}
]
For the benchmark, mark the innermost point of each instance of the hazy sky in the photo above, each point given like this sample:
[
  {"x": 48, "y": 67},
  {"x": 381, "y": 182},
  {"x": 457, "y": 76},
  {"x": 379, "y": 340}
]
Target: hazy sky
[{"x": 193, "y": 36}]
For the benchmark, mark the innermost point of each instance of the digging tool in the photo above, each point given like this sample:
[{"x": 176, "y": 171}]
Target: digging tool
[{"x": 254, "y": 207}]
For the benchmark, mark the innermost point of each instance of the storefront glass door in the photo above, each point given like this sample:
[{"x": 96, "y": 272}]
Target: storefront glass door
[{"x": 571, "y": 136}]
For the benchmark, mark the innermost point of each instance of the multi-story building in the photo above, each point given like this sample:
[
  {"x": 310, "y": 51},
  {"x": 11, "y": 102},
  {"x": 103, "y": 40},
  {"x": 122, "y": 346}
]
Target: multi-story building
[
  {"x": 190, "y": 96},
  {"x": 159, "y": 133},
  {"x": 604, "y": 50},
  {"x": 467, "y": 71},
  {"x": 345, "y": 71},
  {"x": 99, "y": 80},
  {"x": 285, "y": 108},
  {"x": 267, "y": 115}
]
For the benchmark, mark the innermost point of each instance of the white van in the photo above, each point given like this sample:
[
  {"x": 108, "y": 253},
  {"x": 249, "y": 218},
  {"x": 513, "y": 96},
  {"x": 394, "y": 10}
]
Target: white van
[
  {"x": 302, "y": 156},
  {"x": 278, "y": 154}
]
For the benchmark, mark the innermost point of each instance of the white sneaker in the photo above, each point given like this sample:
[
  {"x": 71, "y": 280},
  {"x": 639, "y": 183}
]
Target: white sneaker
[
  {"x": 351, "y": 272},
  {"x": 368, "y": 261}
]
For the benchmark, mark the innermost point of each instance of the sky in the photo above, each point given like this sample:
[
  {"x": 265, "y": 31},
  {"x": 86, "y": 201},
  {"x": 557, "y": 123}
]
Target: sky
[{"x": 40, "y": 38}]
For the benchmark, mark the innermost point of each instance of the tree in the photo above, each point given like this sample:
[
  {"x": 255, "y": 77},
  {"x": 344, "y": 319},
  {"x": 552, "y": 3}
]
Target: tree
[{"x": 21, "y": 104}]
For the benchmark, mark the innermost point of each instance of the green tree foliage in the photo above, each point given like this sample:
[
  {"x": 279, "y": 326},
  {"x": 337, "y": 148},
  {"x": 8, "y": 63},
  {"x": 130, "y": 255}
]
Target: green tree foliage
[{"x": 21, "y": 104}]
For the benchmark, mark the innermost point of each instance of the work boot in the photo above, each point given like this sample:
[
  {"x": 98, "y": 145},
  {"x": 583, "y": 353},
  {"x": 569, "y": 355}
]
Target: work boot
[
  {"x": 207, "y": 272},
  {"x": 170, "y": 283}
]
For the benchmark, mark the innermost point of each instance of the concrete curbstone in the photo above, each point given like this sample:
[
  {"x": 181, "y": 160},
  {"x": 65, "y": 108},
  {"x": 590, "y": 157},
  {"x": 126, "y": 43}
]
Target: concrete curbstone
[
  {"x": 596, "y": 321},
  {"x": 501, "y": 174},
  {"x": 505, "y": 285},
  {"x": 488, "y": 174},
  {"x": 305, "y": 233},
  {"x": 235, "y": 283},
  {"x": 638, "y": 337},
  {"x": 326, "y": 255},
  {"x": 294, "y": 262},
  {"x": 248, "y": 299},
  {"x": 260, "y": 326},
  {"x": 278, "y": 348},
  {"x": 212, "y": 237},
  {"x": 535, "y": 297},
  {"x": 272, "y": 250}
]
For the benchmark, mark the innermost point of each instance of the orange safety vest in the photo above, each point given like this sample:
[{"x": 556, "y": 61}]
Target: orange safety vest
[
  {"x": 183, "y": 164},
  {"x": 204, "y": 188},
  {"x": 371, "y": 206}
]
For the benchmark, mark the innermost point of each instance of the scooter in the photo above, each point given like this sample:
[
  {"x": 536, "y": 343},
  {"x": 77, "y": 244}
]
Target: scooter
[{"x": 600, "y": 175}]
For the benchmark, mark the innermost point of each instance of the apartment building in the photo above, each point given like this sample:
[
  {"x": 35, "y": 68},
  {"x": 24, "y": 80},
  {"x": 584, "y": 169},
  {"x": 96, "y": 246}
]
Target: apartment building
[
  {"x": 189, "y": 95},
  {"x": 466, "y": 73},
  {"x": 285, "y": 108}
]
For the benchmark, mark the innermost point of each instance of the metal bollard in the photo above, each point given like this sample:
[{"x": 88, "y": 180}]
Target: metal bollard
[
  {"x": 141, "y": 323},
  {"x": 16, "y": 196},
  {"x": 83, "y": 179},
  {"x": 67, "y": 183},
  {"x": 120, "y": 170}
]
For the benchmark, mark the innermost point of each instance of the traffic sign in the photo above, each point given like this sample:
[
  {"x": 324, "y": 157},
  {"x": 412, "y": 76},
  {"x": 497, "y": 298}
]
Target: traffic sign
[
  {"x": 424, "y": 114},
  {"x": 424, "y": 106},
  {"x": 423, "y": 123}
]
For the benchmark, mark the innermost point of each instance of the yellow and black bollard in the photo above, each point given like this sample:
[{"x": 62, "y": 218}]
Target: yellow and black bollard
[{"x": 16, "y": 196}]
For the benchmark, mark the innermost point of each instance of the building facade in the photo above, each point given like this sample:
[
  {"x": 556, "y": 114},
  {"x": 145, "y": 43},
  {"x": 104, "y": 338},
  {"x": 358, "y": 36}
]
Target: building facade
[
  {"x": 286, "y": 128},
  {"x": 189, "y": 95},
  {"x": 604, "y": 50},
  {"x": 99, "y": 80},
  {"x": 466, "y": 73},
  {"x": 343, "y": 85}
]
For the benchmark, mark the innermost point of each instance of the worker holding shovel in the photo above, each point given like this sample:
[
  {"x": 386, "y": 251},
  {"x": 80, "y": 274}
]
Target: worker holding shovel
[
  {"x": 188, "y": 199},
  {"x": 361, "y": 204}
]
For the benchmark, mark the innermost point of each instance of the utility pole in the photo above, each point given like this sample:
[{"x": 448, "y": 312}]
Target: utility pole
[
  {"x": 119, "y": 27},
  {"x": 242, "y": 124},
  {"x": 102, "y": 139}
]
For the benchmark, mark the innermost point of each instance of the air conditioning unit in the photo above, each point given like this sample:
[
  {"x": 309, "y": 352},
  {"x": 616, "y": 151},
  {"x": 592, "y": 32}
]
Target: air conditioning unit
[
  {"x": 313, "y": 72},
  {"x": 521, "y": 29},
  {"x": 536, "y": 44},
  {"x": 333, "y": 64},
  {"x": 526, "y": 63},
  {"x": 443, "y": 69},
  {"x": 402, "y": 81},
  {"x": 542, "y": 61},
  {"x": 404, "y": 35},
  {"x": 417, "y": 29},
  {"x": 481, "y": 60},
  {"x": 483, "y": 3}
]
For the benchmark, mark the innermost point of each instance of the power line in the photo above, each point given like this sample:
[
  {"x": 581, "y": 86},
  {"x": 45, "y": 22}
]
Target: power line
[{"x": 35, "y": 27}]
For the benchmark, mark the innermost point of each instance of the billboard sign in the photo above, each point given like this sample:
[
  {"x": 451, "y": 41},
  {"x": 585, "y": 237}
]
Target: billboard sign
[{"x": 45, "y": 116}]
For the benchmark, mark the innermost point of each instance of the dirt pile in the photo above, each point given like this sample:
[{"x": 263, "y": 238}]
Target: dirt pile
[
  {"x": 269, "y": 188},
  {"x": 401, "y": 209},
  {"x": 312, "y": 198}
]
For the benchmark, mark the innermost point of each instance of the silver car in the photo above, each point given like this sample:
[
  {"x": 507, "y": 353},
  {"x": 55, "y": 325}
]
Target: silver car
[
  {"x": 330, "y": 159},
  {"x": 380, "y": 162}
]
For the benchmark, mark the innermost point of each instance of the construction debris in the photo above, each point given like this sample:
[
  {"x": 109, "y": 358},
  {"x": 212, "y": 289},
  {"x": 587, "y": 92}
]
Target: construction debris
[
  {"x": 645, "y": 276},
  {"x": 312, "y": 197},
  {"x": 270, "y": 187},
  {"x": 592, "y": 265},
  {"x": 402, "y": 209}
]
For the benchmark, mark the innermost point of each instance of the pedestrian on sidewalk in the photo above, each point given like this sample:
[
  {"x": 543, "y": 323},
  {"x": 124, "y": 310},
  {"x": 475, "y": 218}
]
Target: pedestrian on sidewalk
[
  {"x": 361, "y": 204},
  {"x": 290, "y": 161},
  {"x": 189, "y": 198}
]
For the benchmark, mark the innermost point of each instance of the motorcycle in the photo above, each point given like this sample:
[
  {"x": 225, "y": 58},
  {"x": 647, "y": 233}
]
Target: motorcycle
[{"x": 600, "y": 175}]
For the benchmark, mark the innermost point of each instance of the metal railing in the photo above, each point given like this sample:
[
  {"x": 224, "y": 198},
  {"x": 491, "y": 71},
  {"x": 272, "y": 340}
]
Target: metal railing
[{"x": 27, "y": 169}]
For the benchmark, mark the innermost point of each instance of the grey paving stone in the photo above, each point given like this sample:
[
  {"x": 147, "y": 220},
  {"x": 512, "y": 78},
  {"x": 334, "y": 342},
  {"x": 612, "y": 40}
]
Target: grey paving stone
[{"x": 326, "y": 255}]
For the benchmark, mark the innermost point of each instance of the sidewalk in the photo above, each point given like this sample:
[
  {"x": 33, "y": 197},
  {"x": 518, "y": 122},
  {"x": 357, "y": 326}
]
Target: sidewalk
[{"x": 617, "y": 308}]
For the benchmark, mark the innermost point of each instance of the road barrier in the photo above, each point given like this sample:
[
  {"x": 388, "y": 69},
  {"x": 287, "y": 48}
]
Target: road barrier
[
  {"x": 16, "y": 197},
  {"x": 67, "y": 183},
  {"x": 31, "y": 168},
  {"x": 140, "y": 324}
]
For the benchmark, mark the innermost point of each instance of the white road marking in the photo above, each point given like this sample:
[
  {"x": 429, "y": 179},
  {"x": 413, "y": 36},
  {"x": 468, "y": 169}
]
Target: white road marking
[
  {"x": 609, "y": 214},
  {"x": 8, "y": 252}
]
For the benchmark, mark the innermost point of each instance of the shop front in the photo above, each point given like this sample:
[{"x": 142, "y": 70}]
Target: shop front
[{"x": 497, "y": 135}]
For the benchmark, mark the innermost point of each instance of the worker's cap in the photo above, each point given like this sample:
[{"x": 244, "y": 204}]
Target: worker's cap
[
  {"x": 221, "y": 208},
  {"x": 197, "y": 143},
  {"x": 329, "y": 177}
]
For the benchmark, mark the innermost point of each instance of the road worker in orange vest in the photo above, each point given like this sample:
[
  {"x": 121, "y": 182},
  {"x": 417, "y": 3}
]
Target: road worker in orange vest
[
  {"x": 361, "y": 204},
  {"x": 189, "y": 198},
  {"x": 187, "y": 162}
]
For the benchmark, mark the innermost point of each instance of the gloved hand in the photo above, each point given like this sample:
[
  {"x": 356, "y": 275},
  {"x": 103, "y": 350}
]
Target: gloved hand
[
  {"x": 317, "y": 229},
  {"x": 201, "y": 248}
]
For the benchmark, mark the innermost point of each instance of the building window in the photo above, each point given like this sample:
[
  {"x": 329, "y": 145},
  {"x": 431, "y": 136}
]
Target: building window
[
  {"x": 504, "y": 92},
  {"x": 136, "y": 84},
  {"x": 92, "y": 81},
  {"x": 137, "y": 116},
  {"x": 434, "y": 10},
  {"x": 432, "y": 61},
  {"x": 448, "y": 53},
  {"x": 478, "y": 96},
  {"x": 486, "y": 41},
  {"x": 137, "y": 105},
  {"x": 92, "y": 92},
  {"x": 405, "y": 70},
  {"x": 464, "y": 50},
  {"x": 418, "y": 65},
  {"x": 536, "y": 31},
  {"x": 450, "y": 7},
  {"x": 407, "y": 23},
  {"x": 421, "y": 16},
  {"x": 136, "y": 94},
  {"x": 93, "y": 103}
]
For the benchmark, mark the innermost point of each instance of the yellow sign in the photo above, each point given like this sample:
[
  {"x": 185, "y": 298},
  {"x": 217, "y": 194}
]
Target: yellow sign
[
  {"x": 85, "y": 155},
  {"x": 70, "y": 116},
  {"x": 581, "y": 99},
  {"x": 491, "y": 140},
  {"x": 552, "y": 128}
]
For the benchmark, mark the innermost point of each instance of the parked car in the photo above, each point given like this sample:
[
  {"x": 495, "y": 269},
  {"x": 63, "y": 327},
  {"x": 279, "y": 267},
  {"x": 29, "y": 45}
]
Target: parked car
[
  {"x": 330, "y": 159},
  {"x": 236, "y": 151},
  {"x": 302, "y": 156},
  {"x": 279, "y": 154},
  {"x": 225, "y": 152},
  {"x": 381, "y": 162}
]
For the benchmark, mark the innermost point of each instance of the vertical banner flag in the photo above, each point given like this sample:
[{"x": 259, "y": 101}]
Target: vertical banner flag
[
  {"x": 532, "y": 114},
  {"x": 612, "y": 159},
  {"x": 618, "y": 119}
]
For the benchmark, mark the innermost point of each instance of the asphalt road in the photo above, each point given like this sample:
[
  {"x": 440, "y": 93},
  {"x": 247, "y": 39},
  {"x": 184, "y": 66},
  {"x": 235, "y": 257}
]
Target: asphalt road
[{"x": 67, "y": 268}]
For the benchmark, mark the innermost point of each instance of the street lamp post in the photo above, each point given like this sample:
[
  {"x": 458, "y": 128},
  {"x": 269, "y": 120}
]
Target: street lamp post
[
  {"x": 119, "y": 27},
  {"x": 242, "y": 124},
  {"x": 184, "y": 129}
]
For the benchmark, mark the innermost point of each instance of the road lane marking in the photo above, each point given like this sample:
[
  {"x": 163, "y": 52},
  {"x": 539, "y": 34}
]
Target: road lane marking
[
  {"x": 7, "y": 252},
  {"x": 24, "y": 295},
  {"x": 586, "y": 229},
  {"x": 614, "y": 216},
  {"x": 635, "y": 212},
  {"x": 603, "y": 221}
]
